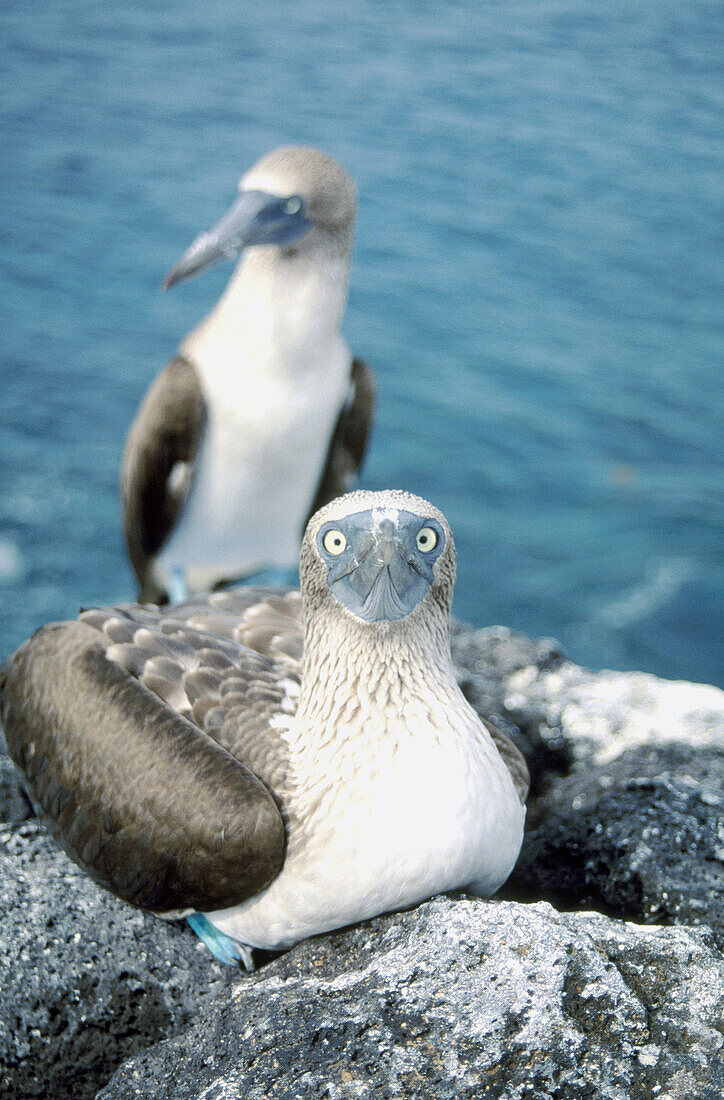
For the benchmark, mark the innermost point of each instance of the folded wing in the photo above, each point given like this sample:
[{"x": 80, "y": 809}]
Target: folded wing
[
  {"x": 153, "y": 750},
  {"x": 158, "y": 466}
]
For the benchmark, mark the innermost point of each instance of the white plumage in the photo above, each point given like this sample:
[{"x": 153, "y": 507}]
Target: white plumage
[
  {"x": 418, "y": 802},
  {"x": 264, "y": 416},
  {"x": 395, "y": 789}
]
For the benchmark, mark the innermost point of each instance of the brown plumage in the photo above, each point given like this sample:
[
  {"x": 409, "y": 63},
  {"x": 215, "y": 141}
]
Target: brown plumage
[
  {"x": 165, "y": 434},
  {"x": 91, "y": 738}
]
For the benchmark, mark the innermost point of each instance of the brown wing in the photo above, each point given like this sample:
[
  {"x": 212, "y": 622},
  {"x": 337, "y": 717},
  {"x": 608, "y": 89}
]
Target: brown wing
[
  {"x": 196, "y": 657},
  {"x": 131, "y": 734},
  {"x": 158, "y": 464},
  {"x": 349, "y": 441},
  {"x": 268, "y": 620},
  {"x": 513, "y": 759}
]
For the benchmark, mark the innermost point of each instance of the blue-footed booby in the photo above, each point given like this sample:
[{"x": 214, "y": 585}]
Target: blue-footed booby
[
  {"x": 275, "y": 764},
  {"x": 263, "y": 416}
]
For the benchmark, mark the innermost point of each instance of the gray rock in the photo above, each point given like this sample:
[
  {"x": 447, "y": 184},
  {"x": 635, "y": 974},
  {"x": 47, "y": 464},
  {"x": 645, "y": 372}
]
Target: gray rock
[
  {"x": 488, "y": 657},
  {"x": 627, "y": 811},
  {"x": 599, "y": 715},
  {"x": 460, "y": 998},
  {"x": 86, "y": 980},
  {"x": 641, "y": 836}
]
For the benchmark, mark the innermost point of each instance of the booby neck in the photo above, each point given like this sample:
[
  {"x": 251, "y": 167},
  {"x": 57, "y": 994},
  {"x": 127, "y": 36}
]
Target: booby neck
[
  {"x": 353, "y": 672},
  {"x": 280, "y": 313}
]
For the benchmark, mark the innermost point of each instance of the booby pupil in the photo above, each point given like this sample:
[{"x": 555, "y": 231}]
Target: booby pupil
[
  {"x": 293, "y": 205},
  {"x": 427, "y": 539},
  {"x": 334, "y": 541}
]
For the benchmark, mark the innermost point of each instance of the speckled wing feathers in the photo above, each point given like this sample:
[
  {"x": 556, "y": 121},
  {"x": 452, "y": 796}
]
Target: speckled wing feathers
[
  {"x": 169, "y": 820},
  {"x": 268, "y": 620},
  {"x": 196, "y": 657}
]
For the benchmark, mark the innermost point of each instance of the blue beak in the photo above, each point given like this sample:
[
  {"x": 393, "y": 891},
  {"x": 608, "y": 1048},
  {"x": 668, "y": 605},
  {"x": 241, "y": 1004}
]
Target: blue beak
[
  {"x": 381, "y": 573},
  {"x": 256, "y": 218}
]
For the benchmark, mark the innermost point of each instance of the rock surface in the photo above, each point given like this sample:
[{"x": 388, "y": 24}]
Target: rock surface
[
  {"x": 86, "y": 980},
  {"x": 456, "y": 998},
  {"x": 636, "y": 827},
  {"x": 642, "y": 837},
  {"x": 460, "y": 998},
  {"x": 599, "y": 715}
]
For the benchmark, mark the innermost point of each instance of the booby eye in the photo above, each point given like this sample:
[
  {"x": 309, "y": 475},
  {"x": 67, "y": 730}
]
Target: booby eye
[
  {"x": 334, "y": 541},
  {"x": 427, "y": 539},
  {"x": 293, "y": 205}
]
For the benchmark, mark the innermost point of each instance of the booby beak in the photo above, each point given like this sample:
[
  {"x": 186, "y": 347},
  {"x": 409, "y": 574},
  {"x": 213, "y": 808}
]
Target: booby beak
[
  {"x": 383, "y": 571},
  {"x": 386, "y": 584},
  {"x": 256, "y": 218}
]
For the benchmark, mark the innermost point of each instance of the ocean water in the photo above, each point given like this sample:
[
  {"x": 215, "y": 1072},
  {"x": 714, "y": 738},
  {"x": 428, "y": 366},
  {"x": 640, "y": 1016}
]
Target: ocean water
[{"x": 538, "y": 283}]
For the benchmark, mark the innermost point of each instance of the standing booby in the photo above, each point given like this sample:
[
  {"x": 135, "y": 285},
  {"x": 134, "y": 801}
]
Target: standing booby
[
  {"x": 280, "y": 767},
  {"x": 263, "y": 416}
]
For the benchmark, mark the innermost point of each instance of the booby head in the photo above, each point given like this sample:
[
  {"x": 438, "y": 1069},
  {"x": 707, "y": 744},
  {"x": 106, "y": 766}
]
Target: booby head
[
  {"x": 287, "y": 197},
  {"x": 379, "y": 555}
]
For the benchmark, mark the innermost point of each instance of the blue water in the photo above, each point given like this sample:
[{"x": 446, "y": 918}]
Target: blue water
[{"x": 538, "y": 282}]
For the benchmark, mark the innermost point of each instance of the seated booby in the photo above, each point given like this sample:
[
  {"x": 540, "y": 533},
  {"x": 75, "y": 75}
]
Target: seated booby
[
  {"x": 275, "y": 766},
  {"x": 263, "y": 416}
]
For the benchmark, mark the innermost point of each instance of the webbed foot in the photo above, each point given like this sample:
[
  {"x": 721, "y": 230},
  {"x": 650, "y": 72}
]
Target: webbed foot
[{"x": 219, "y": 944}]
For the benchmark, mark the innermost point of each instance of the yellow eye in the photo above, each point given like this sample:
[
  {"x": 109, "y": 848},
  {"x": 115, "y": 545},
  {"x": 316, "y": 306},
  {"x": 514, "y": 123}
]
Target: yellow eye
[
  {"x": 427, "y": 539},
  {"x": 334, "y": 541}
]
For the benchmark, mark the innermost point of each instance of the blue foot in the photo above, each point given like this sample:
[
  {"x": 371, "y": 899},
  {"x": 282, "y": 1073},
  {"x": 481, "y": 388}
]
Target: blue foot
[
  {"x": 219, "y": 944},
  {"x": 177, "y": 587}
]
